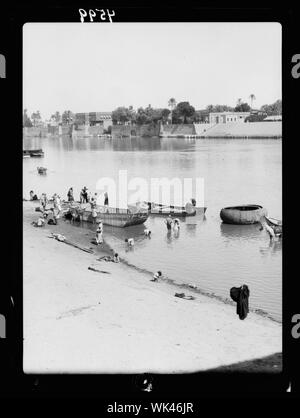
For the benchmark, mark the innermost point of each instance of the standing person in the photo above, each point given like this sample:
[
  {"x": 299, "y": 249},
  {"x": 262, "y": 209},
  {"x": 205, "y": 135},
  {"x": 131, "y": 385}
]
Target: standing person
[
  {"x": 85, "y": 195},
  {"x": 176, "y": 224},
  {"x": 105, "y": 199},
  {"x": 89, "y": 197},
  {"x": 169, "y": 222},
  {"x": 43, "y": 201},
  {"x": 269, "y": 229},
  {"x": 94, "y": 213},
  {"x": 95, "y": 197},
  {"x": 99, "y": 238},
  {"x": 81, "y": 197},
  {"x": 70, "y": 195},
  {"x": 58, "y": 205}
]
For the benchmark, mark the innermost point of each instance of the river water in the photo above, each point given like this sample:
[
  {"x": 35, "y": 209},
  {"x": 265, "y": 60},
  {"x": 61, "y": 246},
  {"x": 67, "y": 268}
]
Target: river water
[{"x": 209, "y": 254}]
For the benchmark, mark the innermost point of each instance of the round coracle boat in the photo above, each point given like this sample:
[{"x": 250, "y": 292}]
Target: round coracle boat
[{"x": 243, "y": 215}]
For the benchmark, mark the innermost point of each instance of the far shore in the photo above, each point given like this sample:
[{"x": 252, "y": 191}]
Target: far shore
[{"x": 113, "y": 319}]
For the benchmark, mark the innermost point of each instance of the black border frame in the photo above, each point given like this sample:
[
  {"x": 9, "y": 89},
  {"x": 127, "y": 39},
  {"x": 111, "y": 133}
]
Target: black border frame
[{"x": 126, "y": 387}]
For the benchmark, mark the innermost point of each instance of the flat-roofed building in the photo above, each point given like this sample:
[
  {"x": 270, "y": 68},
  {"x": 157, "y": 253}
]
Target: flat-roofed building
[
  {"x": 103, "y": 119},
  {"x": 226, "y": 117}
]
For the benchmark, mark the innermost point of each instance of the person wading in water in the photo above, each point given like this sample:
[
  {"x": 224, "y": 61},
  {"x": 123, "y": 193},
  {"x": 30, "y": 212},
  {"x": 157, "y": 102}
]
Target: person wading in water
[{"x": 169, "y": 222}]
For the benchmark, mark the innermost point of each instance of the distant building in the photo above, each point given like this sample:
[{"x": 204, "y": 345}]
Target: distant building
[
  {"x": 103, "y": 119},
  {"x": 225, "y": 117},
  {"x": 273, "y": 118},
  {"x": 202, "y": 116}
]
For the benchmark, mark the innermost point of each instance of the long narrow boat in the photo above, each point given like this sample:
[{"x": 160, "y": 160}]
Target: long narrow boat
[
  {"x": 108, "y": 215},
  {"x": 178, "y": 211},
  {"x": 33, "y": 152},
  {"x": 243, "y": 215},
  {"x": 275, "y": 224}
]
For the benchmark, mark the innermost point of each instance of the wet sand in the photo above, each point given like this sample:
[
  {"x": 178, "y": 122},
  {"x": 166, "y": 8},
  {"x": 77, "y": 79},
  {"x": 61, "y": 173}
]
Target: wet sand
[{"x": 78, "y": 320}]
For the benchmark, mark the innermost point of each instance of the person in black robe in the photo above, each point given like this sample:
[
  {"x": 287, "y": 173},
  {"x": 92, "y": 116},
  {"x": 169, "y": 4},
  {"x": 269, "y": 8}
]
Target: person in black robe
[{"x": 240, "y": 295}]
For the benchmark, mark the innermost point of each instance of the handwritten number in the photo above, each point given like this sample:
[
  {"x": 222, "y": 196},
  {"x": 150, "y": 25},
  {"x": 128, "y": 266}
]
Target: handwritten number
[
  {"x": 83, "y": 14},
  {"x": 92, "y": 14},
  {"x": 110, "y": 15}
]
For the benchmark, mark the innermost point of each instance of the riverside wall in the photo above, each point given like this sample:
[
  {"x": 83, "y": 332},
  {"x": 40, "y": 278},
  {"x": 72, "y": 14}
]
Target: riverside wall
[
  {"x": 148, "y": 130},
  {"x": 205, "y": 130}
]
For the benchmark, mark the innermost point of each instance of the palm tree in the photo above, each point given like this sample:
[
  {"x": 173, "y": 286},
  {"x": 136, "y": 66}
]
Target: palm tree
[
  {"x": 239, "y": 102},
  {"x": 252, "y": 97},
  {"x": 172, "y": 105}
]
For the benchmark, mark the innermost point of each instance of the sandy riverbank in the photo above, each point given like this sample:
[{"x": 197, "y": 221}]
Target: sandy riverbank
[{"x": 79, "y": 321}]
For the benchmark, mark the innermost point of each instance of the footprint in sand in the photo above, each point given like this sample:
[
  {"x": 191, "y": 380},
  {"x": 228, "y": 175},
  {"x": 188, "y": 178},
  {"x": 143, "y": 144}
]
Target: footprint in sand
[{"x": 75, "y": 312}]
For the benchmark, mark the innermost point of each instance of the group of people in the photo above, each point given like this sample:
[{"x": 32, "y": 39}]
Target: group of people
[
  {"x": 51, "y": 215},
  {"x": 86, "y": 197},
  {"x": 172, "y": 223}
]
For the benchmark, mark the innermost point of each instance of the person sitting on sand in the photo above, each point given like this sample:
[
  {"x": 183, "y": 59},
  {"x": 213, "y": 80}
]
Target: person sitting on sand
[
  {"x": 52, "y": 218},
  {"x": 130, "y": 242},
  {"x": 116, "y": 258},
  {"x": 33, "y": 196},
  {"x": 169, "y": 222},
  {"x": 156, "y": 276},
  {"x": 147, "y": 233},
  {"x": 40, "y": 222}
]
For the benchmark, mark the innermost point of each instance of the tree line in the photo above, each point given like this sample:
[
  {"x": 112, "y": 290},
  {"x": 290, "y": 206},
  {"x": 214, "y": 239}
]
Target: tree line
[
  {"x": 184, "y": 112},
  {"x": 31, "y": 121},
  {"x": 175, "y": 113}
]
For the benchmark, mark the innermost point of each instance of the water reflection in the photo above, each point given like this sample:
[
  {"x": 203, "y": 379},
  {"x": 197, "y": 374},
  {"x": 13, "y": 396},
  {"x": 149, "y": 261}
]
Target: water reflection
[
  {"x": 191, "y": 229},
  {"x": 239, "y": 232},
  {"x": 271, "y": 249}
]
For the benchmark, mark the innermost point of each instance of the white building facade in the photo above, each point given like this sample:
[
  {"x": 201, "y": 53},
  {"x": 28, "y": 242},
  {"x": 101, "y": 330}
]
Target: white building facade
[{"x": 226, "y": 117}]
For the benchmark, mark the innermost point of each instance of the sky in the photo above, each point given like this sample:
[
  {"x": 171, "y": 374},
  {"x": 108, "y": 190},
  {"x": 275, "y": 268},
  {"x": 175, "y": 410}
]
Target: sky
[{"x": 97, "y": 67}]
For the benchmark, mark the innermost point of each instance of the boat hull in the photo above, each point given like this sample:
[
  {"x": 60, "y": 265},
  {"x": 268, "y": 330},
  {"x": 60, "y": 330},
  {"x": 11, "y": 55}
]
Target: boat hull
[
  {"x": 112, "y": 216},
  {"x": 33, "y": 153},
  {"x": 178, "y": 211},
  {"x": 275, "y": 224},
  {"x": 243, "y": 215}
]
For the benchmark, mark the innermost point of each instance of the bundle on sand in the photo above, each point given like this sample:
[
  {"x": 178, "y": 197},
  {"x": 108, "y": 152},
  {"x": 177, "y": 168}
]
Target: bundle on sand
[{"x": 183, "y": 296}]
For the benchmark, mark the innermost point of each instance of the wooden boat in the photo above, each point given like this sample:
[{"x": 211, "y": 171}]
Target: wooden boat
[
  {"x": 275, "y": 224},
  {"x": 33, "y": 152},
  {"x": 42, "y": 170},
  {"x": 36, "y": 154},
  {"x": 243, "y": 215},
  {"x": 108, "y": 215},
  {"x": 178, "y": 211}
]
